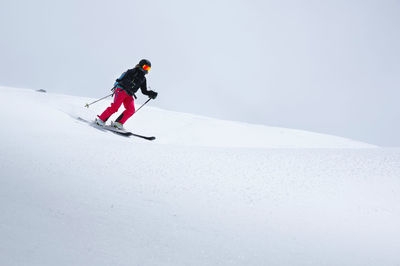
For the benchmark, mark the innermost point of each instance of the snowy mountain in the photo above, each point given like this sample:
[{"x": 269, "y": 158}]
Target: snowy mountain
[{"x": 206, "y": 192}]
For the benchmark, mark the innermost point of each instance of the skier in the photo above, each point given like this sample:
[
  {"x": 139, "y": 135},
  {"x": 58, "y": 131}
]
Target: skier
[{"x": 125, "y": 87}]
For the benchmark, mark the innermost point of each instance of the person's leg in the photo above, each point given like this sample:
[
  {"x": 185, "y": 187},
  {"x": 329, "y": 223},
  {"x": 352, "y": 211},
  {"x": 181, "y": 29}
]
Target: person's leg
[
  {"x": 119, "y": 98},
  {"x": 130, "y": 110}
]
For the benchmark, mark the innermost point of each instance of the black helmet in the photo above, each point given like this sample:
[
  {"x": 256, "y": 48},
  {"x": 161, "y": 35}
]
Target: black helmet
[
  {"x": 144, "y": 62},
  {"x": 145, "y": 65}
]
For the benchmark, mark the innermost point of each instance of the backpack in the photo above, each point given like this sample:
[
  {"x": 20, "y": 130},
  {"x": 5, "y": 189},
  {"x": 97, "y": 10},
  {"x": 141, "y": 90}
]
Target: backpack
[{"x": 119, "y": 79}]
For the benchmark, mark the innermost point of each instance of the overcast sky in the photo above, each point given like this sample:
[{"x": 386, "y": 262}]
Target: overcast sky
[{"x": 325, "y": 66}]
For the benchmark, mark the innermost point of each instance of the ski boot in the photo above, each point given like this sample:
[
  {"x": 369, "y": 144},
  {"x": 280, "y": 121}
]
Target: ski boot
[
  {"x": 99, "y": 122},
  {"x": 117, "y": 125}
]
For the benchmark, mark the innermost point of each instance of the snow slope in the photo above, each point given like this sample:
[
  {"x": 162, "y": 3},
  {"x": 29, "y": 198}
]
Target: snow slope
[{"x": 206, "y": 192}]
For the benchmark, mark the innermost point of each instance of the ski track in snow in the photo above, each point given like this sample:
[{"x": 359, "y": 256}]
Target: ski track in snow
[{"x": 74, "y": 195}]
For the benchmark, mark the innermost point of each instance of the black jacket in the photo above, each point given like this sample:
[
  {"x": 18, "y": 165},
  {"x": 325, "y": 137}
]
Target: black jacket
[{"x": 133, "y": 80}]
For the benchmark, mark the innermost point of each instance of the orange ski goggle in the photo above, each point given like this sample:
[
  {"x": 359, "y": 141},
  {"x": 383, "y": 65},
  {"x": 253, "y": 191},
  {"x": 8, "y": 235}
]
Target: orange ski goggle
[{"x": 146, "y": 67}]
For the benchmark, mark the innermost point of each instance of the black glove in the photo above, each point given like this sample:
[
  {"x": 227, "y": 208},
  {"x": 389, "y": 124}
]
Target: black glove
[{"x": 152, "y": 94}]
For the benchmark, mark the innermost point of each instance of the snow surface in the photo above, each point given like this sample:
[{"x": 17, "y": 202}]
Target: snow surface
[{"x": 206, "y": 192}]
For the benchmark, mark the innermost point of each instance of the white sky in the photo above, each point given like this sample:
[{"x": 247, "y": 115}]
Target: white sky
[{"x": 325, "y": 66}]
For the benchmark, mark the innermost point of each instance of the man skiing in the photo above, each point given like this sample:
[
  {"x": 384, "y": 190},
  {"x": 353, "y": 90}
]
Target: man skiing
[{"x": 125, "y": 88}]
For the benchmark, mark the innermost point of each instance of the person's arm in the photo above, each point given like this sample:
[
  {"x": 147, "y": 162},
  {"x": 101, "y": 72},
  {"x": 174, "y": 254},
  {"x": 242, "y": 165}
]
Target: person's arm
[{"x": 150, "y": 93}]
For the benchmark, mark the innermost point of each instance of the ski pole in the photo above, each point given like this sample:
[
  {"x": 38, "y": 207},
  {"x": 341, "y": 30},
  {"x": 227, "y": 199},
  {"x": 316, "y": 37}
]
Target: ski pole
[
  {"x": 143, "y": 105},
  {"x": 87, "y": 105}
]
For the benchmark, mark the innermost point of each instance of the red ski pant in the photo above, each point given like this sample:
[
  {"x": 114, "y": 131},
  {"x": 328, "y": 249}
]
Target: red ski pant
[{"x": 120, "y": 97}]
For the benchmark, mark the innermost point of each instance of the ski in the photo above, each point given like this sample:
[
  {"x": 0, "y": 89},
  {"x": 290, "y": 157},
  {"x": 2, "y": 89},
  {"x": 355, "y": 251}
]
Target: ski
[
  {"x": 115, "y": 130},
  {"x": 127, "y": 133}
]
